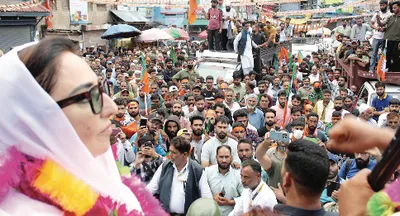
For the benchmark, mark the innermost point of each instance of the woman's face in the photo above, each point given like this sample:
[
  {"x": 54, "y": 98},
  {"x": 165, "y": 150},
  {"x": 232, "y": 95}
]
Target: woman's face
[{"x": 93, "y": 130}]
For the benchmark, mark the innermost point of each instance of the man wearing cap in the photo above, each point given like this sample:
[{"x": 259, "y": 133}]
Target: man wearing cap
[
  {"x": 366, "y": 114},
  {"x": 229, "y": 15},
  {"x": 359, "y": 30},
  {"x": 269, "y": 33},
  {"x": 243, "y": 45},
  {"x": 378, "y": 41},
  {"x": 332, "y": 177}
]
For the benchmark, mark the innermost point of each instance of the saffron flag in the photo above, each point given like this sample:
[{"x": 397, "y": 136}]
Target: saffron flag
[
  {"x": 145, "y": 79},
  {"x": 381, "y": 68},
  {"x": 193, "y": 4},
  {"x": 299, "y": 57},
  {"x": 283, "y": 54}
]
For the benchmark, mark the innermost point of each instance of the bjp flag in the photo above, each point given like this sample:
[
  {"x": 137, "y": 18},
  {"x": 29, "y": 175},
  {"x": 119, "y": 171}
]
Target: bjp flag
[
  {"x": 193, "y": 4},
  {"x": 283, "y": 54}
]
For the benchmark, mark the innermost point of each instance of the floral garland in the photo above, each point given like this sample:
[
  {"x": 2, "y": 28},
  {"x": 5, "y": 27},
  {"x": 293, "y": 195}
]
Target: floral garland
[{"x": 41, "y": 180}]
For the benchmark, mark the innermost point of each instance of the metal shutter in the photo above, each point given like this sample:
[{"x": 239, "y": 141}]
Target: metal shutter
[{"x": 12, "y": 36}]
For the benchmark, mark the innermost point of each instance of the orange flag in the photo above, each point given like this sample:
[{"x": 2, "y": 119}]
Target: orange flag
[
  {"x": 283, "y": 54},
  {"x": 381, "y": 67},
  {"x": 193, "y": 4}
]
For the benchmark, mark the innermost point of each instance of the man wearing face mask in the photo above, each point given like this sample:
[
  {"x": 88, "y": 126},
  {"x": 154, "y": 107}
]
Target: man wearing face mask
[
  {"x": 297, "y": 128},
  {"x": 352, "y": 166},
  {"x": 394, "y": 106},
  {"x": 188, "y": 73}
]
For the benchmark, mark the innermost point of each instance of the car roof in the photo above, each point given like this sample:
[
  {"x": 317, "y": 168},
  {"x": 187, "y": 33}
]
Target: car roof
[{"x": 219, "y": 55}]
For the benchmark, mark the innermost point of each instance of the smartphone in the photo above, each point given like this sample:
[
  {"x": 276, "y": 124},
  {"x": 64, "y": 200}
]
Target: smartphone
[
  {"x": 330, "y": 187},
  {"x": 143, "y": 122},
  {"x": 279, "y": 136},
  {"x": 222, "y": 194}
]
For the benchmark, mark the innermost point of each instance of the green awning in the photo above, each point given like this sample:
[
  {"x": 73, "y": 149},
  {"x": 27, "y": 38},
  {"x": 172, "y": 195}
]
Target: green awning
[{"x": 198, "y": 22}]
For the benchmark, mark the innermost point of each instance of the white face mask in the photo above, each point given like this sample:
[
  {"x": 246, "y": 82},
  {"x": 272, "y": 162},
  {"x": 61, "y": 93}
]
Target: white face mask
[{"x": 297, "y": 134}]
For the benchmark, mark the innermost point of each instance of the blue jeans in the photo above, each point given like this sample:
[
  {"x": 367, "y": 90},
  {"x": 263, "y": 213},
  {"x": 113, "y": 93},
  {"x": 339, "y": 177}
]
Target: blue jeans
[{"x": 376, "y": 43}]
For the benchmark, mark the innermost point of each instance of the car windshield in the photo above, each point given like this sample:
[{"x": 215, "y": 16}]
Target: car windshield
[{"x": 216, "y": 69}]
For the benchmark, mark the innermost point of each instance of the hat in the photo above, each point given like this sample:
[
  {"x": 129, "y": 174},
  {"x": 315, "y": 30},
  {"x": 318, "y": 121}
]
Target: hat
[
  {"x": 332, "y": 157},
  {"x": 124, "y": 90},
  {"x": 182, "y": 132},
  {"x": 354, "y": 41},
  {"x": 173, "y": 88},
  {"x": 363, "y": 108},
  {"x": 223, "y": 85},
  {"x": 156, "y": 116},
  {"x": 196, "y": 87},
  {"x": 109, "y": 62},
  {"x": 383, "y": 2}
]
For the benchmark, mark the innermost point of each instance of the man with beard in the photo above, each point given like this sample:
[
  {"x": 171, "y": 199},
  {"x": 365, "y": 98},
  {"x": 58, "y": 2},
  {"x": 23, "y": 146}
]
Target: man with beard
[
  {"x": 128, "y": 124},
  {"x": 352, "y": 166},
  {"x": 381, "y": 101},
  {"x": 237, "y": 86},
  {"x": 256, "y": 192},
  {"x": 394, "y": 106},
  {"x": 199, "y": 104},
  {"x": 349, "y": 104},
  {"x": 153, "y": 129},
  {"x": 171, "y": 128},
  {"x": 177, "y": 111},
  {"x": 188, "y": 73},
  {"x": 378, "y": 41},
  {"x": 224, "y": 181},
  {"x": 270, "y": 123},
  {"x": 241, "y": 116},
  {"x": 256, "y": 116},
  {"x": 169, "y": 72},
  {"x": 197, "y": 124},
  {"x": 342, "y": 80},
  {"x": 325, "y": 106},
  {"x": 306, "y": 89},
  {"x": 232, "y": 105},
  {"x": 366, "y": 114},
  {"x": 338, "y": 104},
  {"x": 311, "y": 130},
  {"x": 209, "y": 91},
  {"x": 332, "y": 177},
  {"x": 189, "y": 104},
  {"x": 359, "y": 58},
  {"x": 208, "y": 154},
  {"x": 280, "y": 109},
  {"x": 265, "y": 102}
]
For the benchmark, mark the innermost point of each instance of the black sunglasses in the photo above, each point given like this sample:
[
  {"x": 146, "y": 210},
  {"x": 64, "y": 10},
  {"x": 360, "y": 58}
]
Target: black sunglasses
[{"x": 94, "y": 96}]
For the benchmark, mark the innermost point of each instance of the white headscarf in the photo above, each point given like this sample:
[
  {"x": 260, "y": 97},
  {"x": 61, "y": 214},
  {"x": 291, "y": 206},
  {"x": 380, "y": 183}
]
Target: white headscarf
[{"x": 32, "y": 121}]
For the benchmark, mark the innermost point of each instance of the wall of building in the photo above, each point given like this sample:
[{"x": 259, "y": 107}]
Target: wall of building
[{"x": 98, "y": 14}]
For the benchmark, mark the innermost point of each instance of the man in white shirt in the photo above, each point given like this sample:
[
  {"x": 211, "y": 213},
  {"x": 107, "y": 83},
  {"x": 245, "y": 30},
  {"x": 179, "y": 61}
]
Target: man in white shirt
[
  {"x": 232, "y": 105},
  {"x": 180, "y": 181},
  {"x": 366, "y": 114},
  {"x": 224, "y": 181},
  {"x": 209, "y": 151},
  {"x": 256, "y": 192},
  {"x": 379, "y": 32},
  {"x": 394, "y": 106},
  {"x": 229, "y": 14}
]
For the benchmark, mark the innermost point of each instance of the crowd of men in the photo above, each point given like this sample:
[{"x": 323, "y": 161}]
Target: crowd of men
[{"x": 257, "y": 140}]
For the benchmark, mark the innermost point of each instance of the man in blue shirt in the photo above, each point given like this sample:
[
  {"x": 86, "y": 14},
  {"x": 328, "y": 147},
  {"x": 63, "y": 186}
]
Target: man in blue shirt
[
  {"x": 381, "y": 101},
  {"x": 352, "y": 166},
  {"x": 256, "y": 116}
]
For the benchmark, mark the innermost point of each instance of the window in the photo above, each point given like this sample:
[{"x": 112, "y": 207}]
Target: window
[
  {"x": 90, "y": 6},
  {"x": 101, "y": 7}
]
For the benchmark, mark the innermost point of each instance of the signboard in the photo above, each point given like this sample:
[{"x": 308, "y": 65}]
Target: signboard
[{"x": 78, "y": 12}]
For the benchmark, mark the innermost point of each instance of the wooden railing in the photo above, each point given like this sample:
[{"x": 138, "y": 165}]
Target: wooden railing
[{"x": 357, "y": 75}]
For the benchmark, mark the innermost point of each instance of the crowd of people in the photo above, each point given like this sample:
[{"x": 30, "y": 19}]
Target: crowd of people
[{"x": 257, "y": 140}]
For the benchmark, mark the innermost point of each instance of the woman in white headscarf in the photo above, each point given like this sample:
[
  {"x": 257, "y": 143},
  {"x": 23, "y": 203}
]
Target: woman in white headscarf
[{"x": 55, "y": 138}]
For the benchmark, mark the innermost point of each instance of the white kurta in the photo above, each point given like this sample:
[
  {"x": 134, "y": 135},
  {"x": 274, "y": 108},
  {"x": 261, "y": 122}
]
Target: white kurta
[{"x": 247, "y": 60}]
